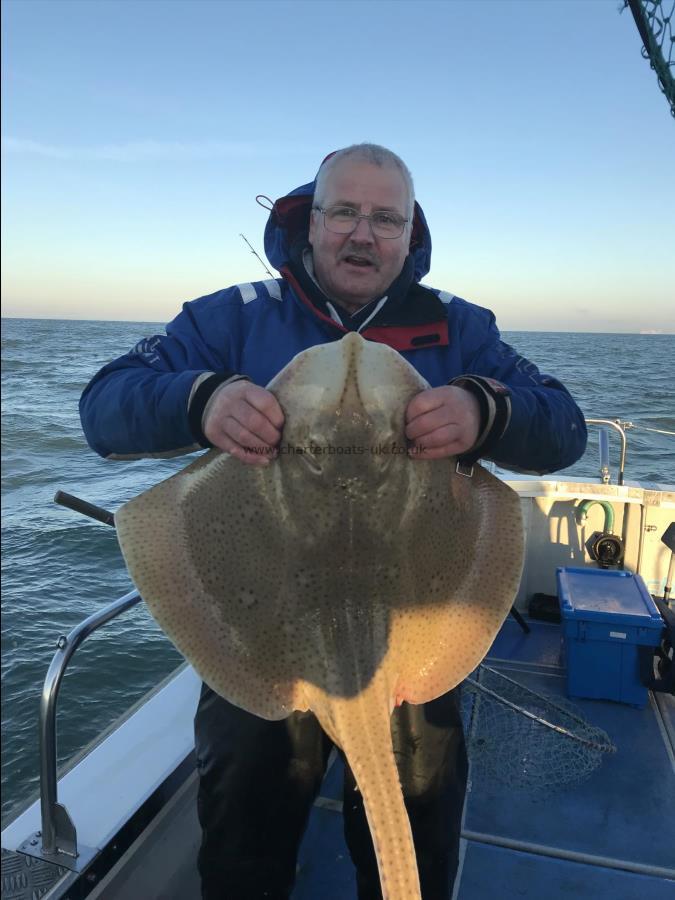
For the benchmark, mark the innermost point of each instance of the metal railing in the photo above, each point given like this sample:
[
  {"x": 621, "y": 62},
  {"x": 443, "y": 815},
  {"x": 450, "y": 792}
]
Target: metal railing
[
  {"x": 621, "y": 427},
  {"x": 57, "y": 841}
]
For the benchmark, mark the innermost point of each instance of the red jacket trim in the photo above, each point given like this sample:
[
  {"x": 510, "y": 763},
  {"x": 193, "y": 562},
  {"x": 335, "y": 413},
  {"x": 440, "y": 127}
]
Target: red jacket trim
[
  {"x": 398, "y": 337},
  {"x": 409, "y": 337}
]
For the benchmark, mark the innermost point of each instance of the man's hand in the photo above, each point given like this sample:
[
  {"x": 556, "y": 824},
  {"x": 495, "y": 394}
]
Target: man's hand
[
  {"x": 246, "y": 421},
  {"x": 441, "y": 422}
]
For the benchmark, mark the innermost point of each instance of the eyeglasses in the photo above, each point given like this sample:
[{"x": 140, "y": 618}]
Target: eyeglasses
[{"x": 345, "y": 219}]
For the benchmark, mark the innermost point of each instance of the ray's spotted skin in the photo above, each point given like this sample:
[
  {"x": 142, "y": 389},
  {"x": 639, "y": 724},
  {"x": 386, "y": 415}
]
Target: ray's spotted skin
[{"x": 340, "y": 582}]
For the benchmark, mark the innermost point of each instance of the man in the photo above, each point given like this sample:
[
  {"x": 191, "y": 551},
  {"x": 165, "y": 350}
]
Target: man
[{"x": 351, "y": 248}]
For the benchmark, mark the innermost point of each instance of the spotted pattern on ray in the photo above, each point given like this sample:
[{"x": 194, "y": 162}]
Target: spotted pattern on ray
[{"x": 341, "y": 582}]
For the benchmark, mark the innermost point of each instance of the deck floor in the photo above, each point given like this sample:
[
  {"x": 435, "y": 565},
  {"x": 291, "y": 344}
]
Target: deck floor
[{"x": 612, "y": 835}]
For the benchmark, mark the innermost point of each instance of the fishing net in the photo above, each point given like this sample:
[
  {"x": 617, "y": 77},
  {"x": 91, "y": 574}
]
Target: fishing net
[
  {"x": 654, "y": 20},
  {"x": 524, "y": 739}
]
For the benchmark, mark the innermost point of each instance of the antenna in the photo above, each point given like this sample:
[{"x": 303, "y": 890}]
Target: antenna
[{"x": 256, "y": 255}]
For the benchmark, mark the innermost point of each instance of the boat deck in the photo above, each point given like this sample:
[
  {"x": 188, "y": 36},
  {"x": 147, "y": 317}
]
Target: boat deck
[{"x": 612, "y": 835}]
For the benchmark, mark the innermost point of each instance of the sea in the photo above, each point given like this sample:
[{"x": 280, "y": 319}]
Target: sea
[{"x": 58, "y": 567}]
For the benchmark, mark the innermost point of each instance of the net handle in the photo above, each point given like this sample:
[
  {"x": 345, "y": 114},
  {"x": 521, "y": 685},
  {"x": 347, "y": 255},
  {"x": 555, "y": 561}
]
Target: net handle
[{"x": 603, "y": 748}]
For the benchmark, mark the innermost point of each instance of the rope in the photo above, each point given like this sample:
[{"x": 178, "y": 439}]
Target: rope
[{"x": 656, "y": 430}]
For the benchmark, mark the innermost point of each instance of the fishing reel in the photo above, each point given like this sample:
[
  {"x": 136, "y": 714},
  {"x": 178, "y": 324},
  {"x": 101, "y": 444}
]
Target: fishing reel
[{"x": 605, "y": 548}]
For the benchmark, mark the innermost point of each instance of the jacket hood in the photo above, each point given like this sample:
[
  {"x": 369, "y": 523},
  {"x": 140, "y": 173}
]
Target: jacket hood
[{"x": 289, "y": 222}]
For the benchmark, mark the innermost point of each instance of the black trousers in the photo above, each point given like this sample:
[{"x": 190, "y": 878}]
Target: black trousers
[{"x": 259, "y": 779}]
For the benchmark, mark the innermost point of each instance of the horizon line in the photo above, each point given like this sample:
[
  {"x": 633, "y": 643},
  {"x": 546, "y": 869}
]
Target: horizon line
[{"x": 162, "y": 323}]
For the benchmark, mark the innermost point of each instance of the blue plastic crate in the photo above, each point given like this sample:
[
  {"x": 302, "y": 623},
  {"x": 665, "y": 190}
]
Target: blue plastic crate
[{"x": 607, "y": 616}]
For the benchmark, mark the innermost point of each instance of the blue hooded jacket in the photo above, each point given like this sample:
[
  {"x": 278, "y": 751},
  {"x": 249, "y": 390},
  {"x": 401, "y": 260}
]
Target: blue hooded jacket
[{"x": 139, "y": 405}]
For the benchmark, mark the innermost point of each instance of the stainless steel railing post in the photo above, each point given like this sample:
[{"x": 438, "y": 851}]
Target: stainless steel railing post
[
  {"x": 58, "y": 832},
  {"x": 619, "y": 426}
]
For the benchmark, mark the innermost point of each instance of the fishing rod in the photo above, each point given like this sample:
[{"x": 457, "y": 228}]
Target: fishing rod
[
  {"x": 85, "y": 508},
  {"x": 257, "y": 256}
]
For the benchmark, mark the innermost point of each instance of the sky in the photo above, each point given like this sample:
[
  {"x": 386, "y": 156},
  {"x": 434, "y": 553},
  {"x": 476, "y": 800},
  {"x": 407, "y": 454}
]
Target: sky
[{"x": 136, "y": 135}]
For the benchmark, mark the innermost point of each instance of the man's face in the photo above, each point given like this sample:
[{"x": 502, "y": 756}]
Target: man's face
[{"x": 355, "y": 268}]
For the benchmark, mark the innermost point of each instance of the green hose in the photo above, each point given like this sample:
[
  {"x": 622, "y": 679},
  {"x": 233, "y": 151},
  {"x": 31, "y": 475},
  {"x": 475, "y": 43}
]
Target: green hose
[{"x": 585, "y": 505}]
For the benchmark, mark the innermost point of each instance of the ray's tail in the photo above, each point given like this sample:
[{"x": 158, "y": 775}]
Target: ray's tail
[{"x": 361, "y": 726}]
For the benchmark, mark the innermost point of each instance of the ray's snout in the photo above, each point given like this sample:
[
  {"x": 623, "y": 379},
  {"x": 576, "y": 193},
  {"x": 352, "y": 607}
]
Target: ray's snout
[{"x": 347, "y": 399}]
